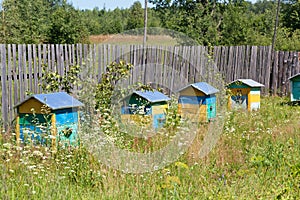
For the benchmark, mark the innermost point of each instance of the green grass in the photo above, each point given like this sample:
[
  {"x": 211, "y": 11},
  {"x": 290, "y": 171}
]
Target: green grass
[{"x": 257, "y": 157}]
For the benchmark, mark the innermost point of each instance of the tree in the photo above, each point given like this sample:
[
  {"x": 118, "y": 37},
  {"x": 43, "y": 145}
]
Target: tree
[
  {"x": 24, "y": 21},
  {"x": 67, "y": 26},
  {"x": 291, "y": 14},
  {"x": 136, "y": 16},
  {"x": 41, "y": 21},
  {"x": 200, "y": 20}
]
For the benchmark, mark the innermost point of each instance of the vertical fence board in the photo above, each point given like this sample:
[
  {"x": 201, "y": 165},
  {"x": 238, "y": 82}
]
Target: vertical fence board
[
  {"x": 10, "y": 83},
  {"x": 35, "y": 70},
  {"x": 4, "y": 86},
  {"x": 268, "y": 62},
  {"x": 30, "y": 68},
  {"x": 15, "y": 74},
  {"x": 25, "y": 71}
]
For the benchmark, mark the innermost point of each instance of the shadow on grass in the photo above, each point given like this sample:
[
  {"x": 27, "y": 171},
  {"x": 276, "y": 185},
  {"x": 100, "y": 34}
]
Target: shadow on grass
[{"x": 290, "y": 103}]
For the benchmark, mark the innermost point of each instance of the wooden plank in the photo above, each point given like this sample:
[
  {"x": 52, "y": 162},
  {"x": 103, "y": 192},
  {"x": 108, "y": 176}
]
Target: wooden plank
[
  {"x": 259, "y": 65},
  {"x": 15, "y": 73},
  {"x": 4, "y": 107},
  {"x": 230, "y": 66},
  {"x": 25, "y": 71},
  {"x": 253, "y": 62},
  {"x": 289, "y": 71},
  {"x": 49, "y": 57},
  {"x": 280, "y": 71},
  {"x": 105, "y": 55},
  {"x": 237, "y": 68},
  {"x": 284, "y": 72},
  {"x": 62, "y": 60},
  {"x": 242, "y": 61},
  {"x": 40, "y": 63},
  {"x": 247, "y": 62},
  {"x": 73, "y": 55},
  {"x": 67, "y": 58},
  {"x": 57, "y": 59},
  {"x": 35, "y": 69},
  {"x": 275, "y": 73},
  {"x": 85, "y": 63},
  {"x": 100, "y": 56},
  {"x": 192, "y": 65},
  {"x": 197, "y": 64},
  {"x": 294, "y": 65},
  {"x": 94, "y": 61},
  {"x": 157, "y": 65},
  {"x": 30, "y": 89},
  {"x": 21, "y": 82},
  {"x": 225, "y": 63},
  {"x": 53, "y": 65},
  {"x": 268, "y": 64},
  {"x": 10, "y": 84}
]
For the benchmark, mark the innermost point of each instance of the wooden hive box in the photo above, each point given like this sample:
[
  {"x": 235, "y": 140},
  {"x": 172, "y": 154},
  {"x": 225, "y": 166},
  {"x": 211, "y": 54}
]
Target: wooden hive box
[
  {"x": 151, "y": 105},
  {"x": 197, "y": 102},
  {"x": 45, "y": 118},
  {"x": 295, "y": 87},
  {"x": 245, "y": 94}
]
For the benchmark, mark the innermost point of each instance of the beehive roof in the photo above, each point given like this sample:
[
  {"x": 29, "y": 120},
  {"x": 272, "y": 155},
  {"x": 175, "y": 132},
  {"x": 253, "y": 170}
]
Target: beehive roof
[
  {"x": 55, "y": 101},
  {"x": 152, "y": 96},
  {"x": 249, "y": 82},
  {"x": 203, "y": 87},
  {"x": 296, "y": 75}
]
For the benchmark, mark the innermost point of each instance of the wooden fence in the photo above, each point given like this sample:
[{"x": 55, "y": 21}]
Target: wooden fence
[{"x": 173, "y": 67}]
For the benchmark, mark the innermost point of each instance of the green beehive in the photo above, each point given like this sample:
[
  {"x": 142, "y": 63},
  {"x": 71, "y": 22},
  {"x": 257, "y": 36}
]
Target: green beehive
[
  {"x": 151, "y": 105},
  {"x": 295, "y": 87}
]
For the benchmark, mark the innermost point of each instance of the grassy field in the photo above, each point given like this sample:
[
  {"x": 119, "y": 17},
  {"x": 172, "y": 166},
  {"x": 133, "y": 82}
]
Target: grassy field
[
  {"x": 257, "y": 157},
  {"x": 119, "y": 39}
]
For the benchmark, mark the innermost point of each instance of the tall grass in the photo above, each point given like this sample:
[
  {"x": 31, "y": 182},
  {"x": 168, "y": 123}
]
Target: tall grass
[{"x": 257, "y": 157}]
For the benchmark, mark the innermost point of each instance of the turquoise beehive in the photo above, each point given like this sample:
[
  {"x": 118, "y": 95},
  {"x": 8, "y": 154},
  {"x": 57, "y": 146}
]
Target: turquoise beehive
[
  {"x": 295, "y": 87},
  {"x": 52, "y": 117}
]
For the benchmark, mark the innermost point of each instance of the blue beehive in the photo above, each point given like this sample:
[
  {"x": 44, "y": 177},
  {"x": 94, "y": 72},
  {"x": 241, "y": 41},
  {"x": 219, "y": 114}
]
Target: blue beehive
[
  {"x": 197, "y": 101},
  {"x": 295, "y": 87},
  {"x": 50, "y": 117},
  {"x": 148, "y": 104}
]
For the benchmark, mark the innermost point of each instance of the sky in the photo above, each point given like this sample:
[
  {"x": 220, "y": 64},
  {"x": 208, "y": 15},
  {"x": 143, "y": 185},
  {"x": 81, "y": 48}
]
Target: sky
[{"x": 108, "y": 4}]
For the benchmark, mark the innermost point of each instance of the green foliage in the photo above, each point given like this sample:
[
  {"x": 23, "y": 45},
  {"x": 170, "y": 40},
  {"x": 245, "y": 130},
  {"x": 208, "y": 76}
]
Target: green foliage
[
  {"x": 41, "y": 21},
  {"x": 66, "y": 26},
  {"x": 24, "y": 21},
  {"x": 116, "y": 71},
  {"x": 206, "y": 22},
  {"x": 53, "y": 81},
  {"x": 136, "y": 16}
]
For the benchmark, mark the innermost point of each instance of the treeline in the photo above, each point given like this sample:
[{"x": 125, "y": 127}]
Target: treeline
[{"x": 208, "y": 22}]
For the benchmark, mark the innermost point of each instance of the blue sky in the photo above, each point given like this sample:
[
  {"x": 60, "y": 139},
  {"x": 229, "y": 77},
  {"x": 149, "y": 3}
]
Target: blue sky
[{"x": 108, "y": 4}]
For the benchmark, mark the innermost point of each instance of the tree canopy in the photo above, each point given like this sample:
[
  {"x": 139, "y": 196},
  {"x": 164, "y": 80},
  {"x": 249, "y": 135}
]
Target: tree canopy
[{"x": 208, "y": 22}]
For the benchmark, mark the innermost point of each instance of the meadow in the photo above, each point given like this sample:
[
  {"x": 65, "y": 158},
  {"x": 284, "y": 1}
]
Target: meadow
[
  {"x": 256, "y": 157},
  {"x": 134, "y": 39}
]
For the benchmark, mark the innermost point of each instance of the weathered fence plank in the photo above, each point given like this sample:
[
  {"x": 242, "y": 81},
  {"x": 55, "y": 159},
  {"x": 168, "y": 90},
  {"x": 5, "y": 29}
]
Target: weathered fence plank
[{"x": 4, "y": 104}]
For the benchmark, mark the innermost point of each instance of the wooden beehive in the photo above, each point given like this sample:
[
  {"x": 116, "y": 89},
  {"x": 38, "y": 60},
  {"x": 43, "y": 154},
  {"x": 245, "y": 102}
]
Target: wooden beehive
[
  {"x": 147, "y": 104},
  {"x": 50, "y": 117},
  {"x": 197, "y": 102},
  {"x": 295, "y": 87},
  {"x": 245, "y": 94}
]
